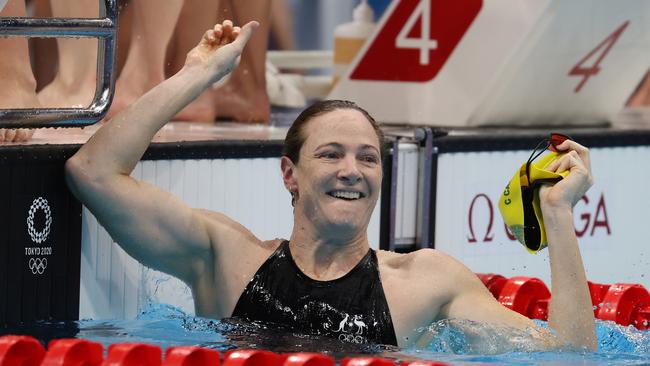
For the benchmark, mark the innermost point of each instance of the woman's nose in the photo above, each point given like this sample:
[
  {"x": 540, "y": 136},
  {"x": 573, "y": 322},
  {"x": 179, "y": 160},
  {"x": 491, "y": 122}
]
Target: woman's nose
[{"x": 349, "y": 171}]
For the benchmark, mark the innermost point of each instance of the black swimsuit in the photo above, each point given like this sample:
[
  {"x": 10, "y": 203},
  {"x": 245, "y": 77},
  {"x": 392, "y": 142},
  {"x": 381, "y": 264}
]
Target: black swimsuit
[{"x": 352, "y": 308}]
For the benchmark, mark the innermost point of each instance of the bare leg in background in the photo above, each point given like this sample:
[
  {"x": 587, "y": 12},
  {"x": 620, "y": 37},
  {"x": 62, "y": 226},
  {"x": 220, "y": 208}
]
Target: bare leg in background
[
  {"x": 18, "y": 83},
  {"x": 282, "y": 30},
  {"x": 152, "y": 28},
  {"x": 75, "y": 82},
  {"x": 192, "y": 23},
  {"x": 242, "y": 97}
]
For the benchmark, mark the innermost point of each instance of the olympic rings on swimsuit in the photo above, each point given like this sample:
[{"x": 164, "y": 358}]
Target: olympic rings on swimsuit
[
  {"x": 351, "y": 338},
  {"x": 38, "y": 265}
]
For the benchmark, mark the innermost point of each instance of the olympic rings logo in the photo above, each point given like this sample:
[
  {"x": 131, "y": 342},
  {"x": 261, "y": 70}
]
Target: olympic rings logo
[
  {"x": 351, "y": 338},
  {"x": 39, "y": 236},
  {"x": 38, "y": 265}
]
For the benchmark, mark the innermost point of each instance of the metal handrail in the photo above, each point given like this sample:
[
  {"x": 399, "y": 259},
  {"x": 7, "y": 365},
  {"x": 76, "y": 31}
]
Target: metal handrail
[{"x": 104, "y": 29}]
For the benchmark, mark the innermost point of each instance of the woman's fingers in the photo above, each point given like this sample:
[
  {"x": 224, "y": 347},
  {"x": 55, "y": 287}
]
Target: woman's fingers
[
  {"x": 566, "y": 162},
  {"x": 210, "y": 36},
  {"x": 582, "y": 151},
  {"x": 218, "y": 30},
  {"x": 225, "y": 33},
  {"x": 576, "y": 151},
  {"x": 570, "y": 161},
  {"x": 245, "y": 33}
]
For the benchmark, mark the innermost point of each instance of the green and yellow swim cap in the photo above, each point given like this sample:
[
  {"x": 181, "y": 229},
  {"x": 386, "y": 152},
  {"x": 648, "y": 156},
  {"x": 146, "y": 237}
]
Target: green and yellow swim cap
[{"x": 519, "y": 203}]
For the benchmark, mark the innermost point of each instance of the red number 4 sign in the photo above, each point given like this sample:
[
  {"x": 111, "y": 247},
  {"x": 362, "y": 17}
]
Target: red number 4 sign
[
  {"x": 588, "y": 71},
  {"x": 416, "y": 40}
]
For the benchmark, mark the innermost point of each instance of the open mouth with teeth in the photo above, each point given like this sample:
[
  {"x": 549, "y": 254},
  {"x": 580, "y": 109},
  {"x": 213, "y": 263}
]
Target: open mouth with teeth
[{"x": 346, "y": 195}]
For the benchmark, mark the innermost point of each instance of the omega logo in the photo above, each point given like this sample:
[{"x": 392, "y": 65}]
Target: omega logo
[
  {"x": 487, "y": 237},
  {"x": 481, "y": 228}
]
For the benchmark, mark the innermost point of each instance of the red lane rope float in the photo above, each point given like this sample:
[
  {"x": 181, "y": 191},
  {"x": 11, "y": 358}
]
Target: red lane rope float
[
  {"x": 308, "y": 359},
  {"x": 626, "y": 304},
  {"x": 253, "y": 358},
  {"x": 493, "y": 282},
  {"x": 527, "y": 296},
  {"x": 191, "y": 356},
  {"x": 597, "y": 292},
  {"x": 366, "y": 361},
  {"x": 133, "y": 354},
  {"x": 73, "y": 352},
  {"x": 27, "y": 351},
  {"x": 20, "y": 351}
]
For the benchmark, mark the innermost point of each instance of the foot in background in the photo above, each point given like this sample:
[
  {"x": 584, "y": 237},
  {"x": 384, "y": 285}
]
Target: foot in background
[
  {"x": 238, "y": 99},
  {"x": 202, "y": 109},
  {"x": 153, "y": 25},
  {"x": 242, "y": 100}
]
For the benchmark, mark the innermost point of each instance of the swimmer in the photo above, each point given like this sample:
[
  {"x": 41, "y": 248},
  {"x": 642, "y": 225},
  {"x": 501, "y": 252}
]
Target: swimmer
[{"x": 325, "y": 279}]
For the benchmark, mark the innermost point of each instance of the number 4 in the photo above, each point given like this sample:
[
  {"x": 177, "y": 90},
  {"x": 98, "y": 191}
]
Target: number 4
[
  {"x": 424, "y": 44},
  {"x": 588, "y": 71}
]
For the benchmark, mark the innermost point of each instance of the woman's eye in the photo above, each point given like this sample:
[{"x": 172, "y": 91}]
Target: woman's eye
[
  {"x": 329, "y": 155},
  {"x": 369, "y": 159}
]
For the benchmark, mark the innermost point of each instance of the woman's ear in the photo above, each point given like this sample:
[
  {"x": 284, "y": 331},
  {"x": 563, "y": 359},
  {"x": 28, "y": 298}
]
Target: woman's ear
[{"x": 288, "y": 174}]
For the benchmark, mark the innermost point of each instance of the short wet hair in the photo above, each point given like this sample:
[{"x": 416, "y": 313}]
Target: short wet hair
[{"x": 295, "y": 137}]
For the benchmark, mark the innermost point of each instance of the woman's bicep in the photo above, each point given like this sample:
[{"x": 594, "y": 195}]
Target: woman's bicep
[{"x": 154, "y": 227}]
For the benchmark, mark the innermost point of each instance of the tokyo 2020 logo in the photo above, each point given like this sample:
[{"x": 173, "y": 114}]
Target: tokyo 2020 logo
[{"x": 39, "y": 236}]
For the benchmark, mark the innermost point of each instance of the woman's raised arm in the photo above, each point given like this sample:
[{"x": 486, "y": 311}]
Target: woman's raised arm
[
  {"x": 570, "y": 310},
  {"x": 151, "y": 225}
]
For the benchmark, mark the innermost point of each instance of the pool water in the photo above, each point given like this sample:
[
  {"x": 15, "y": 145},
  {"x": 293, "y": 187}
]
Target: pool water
[{"x": 167, "y": 326}]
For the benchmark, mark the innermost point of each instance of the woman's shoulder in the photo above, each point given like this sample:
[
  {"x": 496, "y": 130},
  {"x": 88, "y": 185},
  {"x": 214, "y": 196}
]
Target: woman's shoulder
[
  {"x": 425, "y": 273},
  {"x": 418, "y": 260},
  {"x": 226, "y": 232}
]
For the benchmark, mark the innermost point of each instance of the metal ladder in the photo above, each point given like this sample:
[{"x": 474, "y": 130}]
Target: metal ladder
[{"x": 104, "y": 28}]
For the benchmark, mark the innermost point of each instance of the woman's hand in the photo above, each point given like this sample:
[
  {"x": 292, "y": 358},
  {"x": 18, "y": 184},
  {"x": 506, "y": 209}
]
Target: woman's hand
[
  {"x": 220, "y": 48},
  {"x": 568, "y": 191}
]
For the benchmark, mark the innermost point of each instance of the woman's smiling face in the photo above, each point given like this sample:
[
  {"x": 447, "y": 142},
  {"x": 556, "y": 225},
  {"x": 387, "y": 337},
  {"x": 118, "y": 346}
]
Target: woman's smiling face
[{"x": 339, "y": 173}]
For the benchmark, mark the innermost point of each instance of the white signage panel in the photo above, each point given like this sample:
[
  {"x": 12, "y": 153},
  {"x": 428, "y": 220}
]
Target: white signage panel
[
  {"x": 610, "y": 220},
  {"x": 475, "y": 62}
]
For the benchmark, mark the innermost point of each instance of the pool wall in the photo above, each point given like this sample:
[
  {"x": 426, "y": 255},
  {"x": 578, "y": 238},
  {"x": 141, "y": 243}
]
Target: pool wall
[
  {"x": 40, "y": 229},
  {"x": 89, "y": 276}
]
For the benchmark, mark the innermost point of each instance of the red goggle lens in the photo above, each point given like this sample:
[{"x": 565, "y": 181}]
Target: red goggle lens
[{"x": 555, "y": 140}]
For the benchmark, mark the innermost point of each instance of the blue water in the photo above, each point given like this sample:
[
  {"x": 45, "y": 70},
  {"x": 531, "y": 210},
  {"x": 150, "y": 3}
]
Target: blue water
[{"x": 166, "y": 326}]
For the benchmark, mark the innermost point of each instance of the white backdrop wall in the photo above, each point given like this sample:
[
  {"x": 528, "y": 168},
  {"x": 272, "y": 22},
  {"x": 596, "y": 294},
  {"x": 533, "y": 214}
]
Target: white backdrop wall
[
  {"x": 611, "y": 221},
  {"x": 114, "y": 285}
]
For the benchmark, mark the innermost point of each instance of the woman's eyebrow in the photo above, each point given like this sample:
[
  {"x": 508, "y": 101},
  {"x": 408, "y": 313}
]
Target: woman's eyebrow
[
  {"x": 329, "y": 144},
  {"x": 370, "y": 147},
  {"x": 340, "y": 146}
]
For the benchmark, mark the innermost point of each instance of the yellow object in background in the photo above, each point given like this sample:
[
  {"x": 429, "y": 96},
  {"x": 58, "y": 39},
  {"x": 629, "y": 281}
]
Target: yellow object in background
[{"x": 350, "y": 37}]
